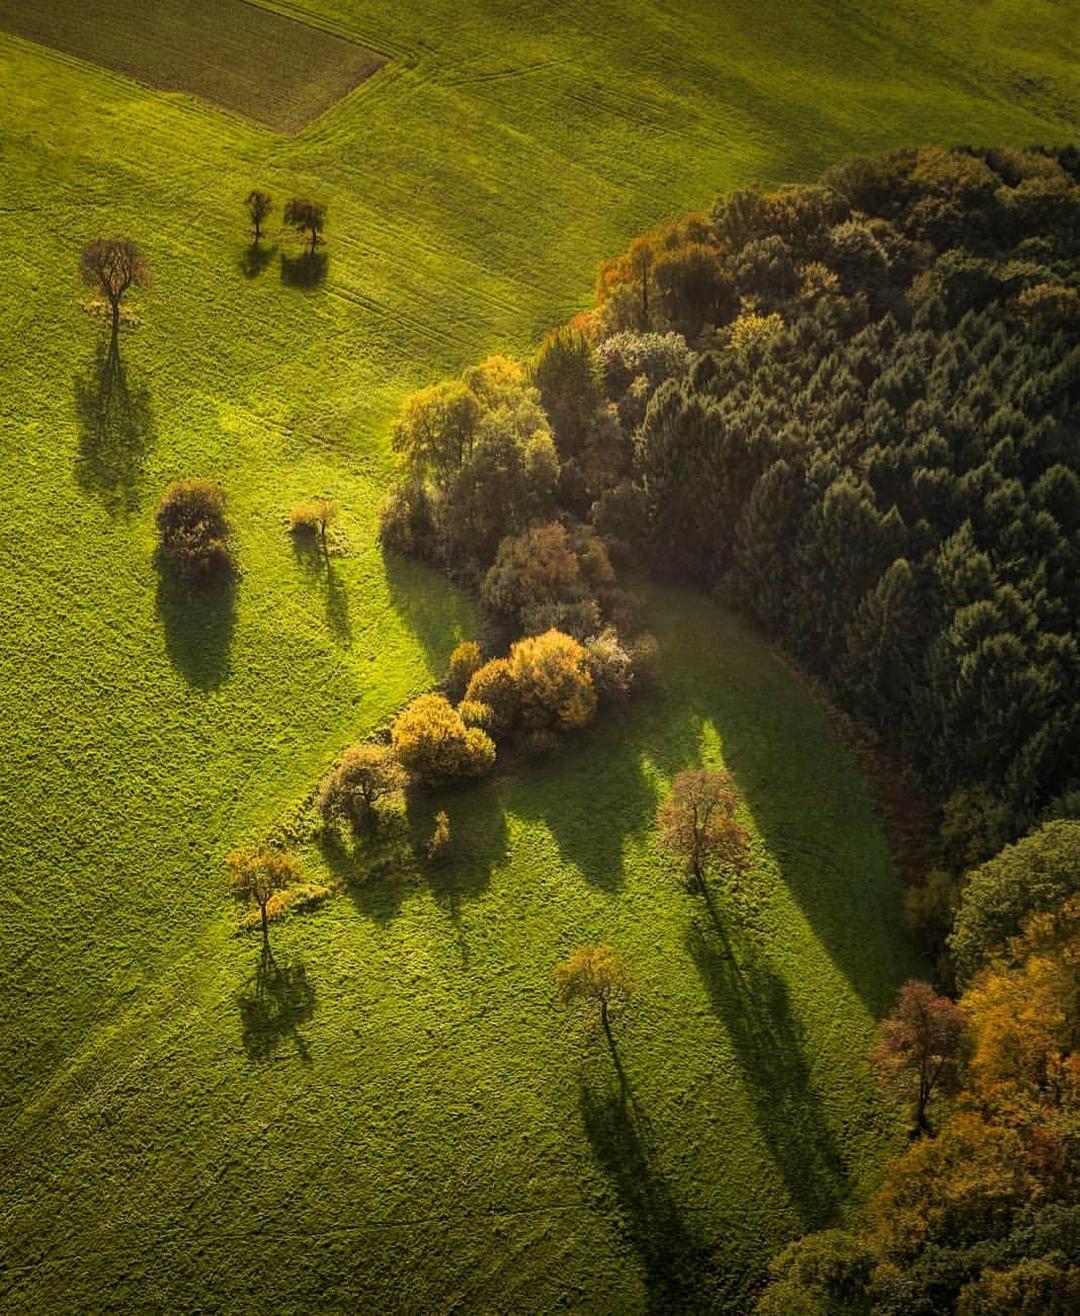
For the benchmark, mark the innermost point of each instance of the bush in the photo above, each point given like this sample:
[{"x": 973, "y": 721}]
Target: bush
[
  {"x": 494, "y": 686},
  {"x": 475, "y": 714},
  {"x": 610, "y": 666},
  {"x": 554, "y": 684},
  {"x": 194, "y": 529},
  {"x": 365, "y": 774},
  {"x": 433, "y": 743},
  {"x": 464, "y": 663}
]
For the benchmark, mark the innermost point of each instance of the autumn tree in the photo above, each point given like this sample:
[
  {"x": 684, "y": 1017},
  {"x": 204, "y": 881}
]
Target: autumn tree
[
  {"x": 698, "y": 824},
  {"x": 364, "y": 775},
  {"x": 315, "y": 515},
  {"x": 495, "y": 686},
  {"x": 110, "y": 266},
  {"x": 465, "y": 661},
  {"x": 594, "y": 975},
  {"x": 306, "y": 216},
  {"x": 258, "y": 205},
  {"x": 257, "y": 874},
  {"x": 433, "y": 743},
  {"x": 435, "y": 430},
  {"x": 553, "y": 681},
  {"x": 920, "y": 1046}
]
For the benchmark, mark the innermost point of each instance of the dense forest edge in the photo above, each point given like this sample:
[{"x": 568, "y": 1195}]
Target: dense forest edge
[{"x": 850, "y": 410}]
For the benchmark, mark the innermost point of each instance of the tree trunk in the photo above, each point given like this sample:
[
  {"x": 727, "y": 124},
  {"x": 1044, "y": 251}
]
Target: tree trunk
[{"x": 265, "y": 925}]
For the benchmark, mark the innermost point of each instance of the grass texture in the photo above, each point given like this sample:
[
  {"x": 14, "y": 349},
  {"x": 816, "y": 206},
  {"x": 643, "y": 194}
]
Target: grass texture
[{"x": 394, "y": 1113}]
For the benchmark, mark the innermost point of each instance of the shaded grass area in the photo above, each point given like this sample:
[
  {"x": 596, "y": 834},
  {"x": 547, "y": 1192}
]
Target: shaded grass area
[
  {"x": 241, "y": 56},
  {"x": 393, "y": 1112},
  {"x": 396, "y": 1073}
]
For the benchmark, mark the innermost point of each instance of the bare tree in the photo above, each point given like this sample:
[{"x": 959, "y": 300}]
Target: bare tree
[
  {"x": 306, "y": 216},
  {"x": 259, "y": 205},
  {"x": 110, "y": 266}
]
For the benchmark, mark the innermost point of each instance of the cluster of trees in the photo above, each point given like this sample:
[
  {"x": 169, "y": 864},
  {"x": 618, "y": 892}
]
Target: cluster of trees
[
  {"x": 851, "y": 408},
  {"x": 981, "y": 1214},
  {"x": 304, "y": 216}
]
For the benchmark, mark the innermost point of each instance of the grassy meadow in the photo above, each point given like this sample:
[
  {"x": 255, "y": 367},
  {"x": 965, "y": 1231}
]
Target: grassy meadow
[{"x": 411, "y": 1124}]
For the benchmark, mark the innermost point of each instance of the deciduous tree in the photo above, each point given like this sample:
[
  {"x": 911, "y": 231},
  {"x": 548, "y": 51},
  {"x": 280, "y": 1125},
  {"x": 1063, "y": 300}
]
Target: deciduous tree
[
  {"x": 593, "y": 974},
  {"x": 698, "y": 824},
  {"x": 257, "y": 874},
  {"x": 110, "y": 266},
  {"x": 432, "y": 742},
  {"x": 306, "y": 216},
  {"x": 920, "y": 1046},
  {"x": 258, "y": 205},
  {"x": 364, "y": 775}
]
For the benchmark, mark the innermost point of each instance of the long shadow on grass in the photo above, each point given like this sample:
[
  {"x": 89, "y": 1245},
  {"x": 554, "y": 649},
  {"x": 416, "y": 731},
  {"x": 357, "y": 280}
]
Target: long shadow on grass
[
  {"x": 801, "y": 788},
  {"x": 276, "y": 1002},
  {"x": 621, "y": 1137},
  {"x": 434, "y": 611},
  {"x": 753, "y": 1003},
  {"x": 199, "y": 620},
  {"x": 317, "y": 565},
  {"x": 378, "y": 868},
  {"x": 115, "y": 429}
]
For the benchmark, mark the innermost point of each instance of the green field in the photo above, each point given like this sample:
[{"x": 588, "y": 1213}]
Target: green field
[{"x": 420, "y": 1128}]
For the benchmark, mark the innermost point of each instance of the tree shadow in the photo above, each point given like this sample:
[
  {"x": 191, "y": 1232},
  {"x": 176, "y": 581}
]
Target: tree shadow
[
  {"x": 753, "y": 1003},
  {"x": 199, "y": 620},
  {"x": 314, "y": 560},
  {"x": 479, "y": 844},
  {"x": 621, "y": 1138},
  {"x": 307, "y": 271},
  {"x": 115, "y": 429},
  {"x": 255, "y": 258},
  {"x": 800, "y": 786},
  {"x": 434, "y": 610},
  {"x": 277, "y": 1000},
  {"x": 593, "y": 795}
]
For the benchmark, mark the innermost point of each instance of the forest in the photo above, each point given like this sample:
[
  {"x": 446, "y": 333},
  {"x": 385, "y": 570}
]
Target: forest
[{"x": 850, "y": 410}]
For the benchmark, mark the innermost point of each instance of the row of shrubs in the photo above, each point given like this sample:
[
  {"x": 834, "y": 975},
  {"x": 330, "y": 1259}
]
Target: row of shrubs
[{"x": 547, "y": 685}]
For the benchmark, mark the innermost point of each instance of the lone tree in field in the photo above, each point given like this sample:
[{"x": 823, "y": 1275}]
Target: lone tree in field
[
  {"x": 110, "y": 266},
  {"x": 365, "y": 775},
  {"x": 315, "y": 516},
  {"x": 920, "y": 1046},
  {"x": 259, "y": 205},
  {"x": 698, "y": 824},
  {"x": 306, "y": 216},
  {"x": 592, "y": 973},
  {"x": 257, "y": 874}
]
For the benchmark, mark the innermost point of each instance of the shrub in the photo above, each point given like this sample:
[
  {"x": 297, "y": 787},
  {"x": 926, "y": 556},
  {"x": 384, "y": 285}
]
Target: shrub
[
  {"x": 494, "y": 686},
  {"x": 365, "y": 774},
  {"x": 475, "y": 714},
  {"x": 464, "y": 663},
  {"x": 194, "y": 529},
  {"x": 553, "y": 680},
  {"x": 610, "y": 666},
  {"x": 433, "y": 743}
]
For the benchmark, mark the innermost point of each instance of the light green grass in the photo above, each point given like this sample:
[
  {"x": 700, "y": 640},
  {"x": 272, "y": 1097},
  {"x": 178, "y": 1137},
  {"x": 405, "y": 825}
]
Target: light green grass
[{"x": 451, "y": 1140}]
